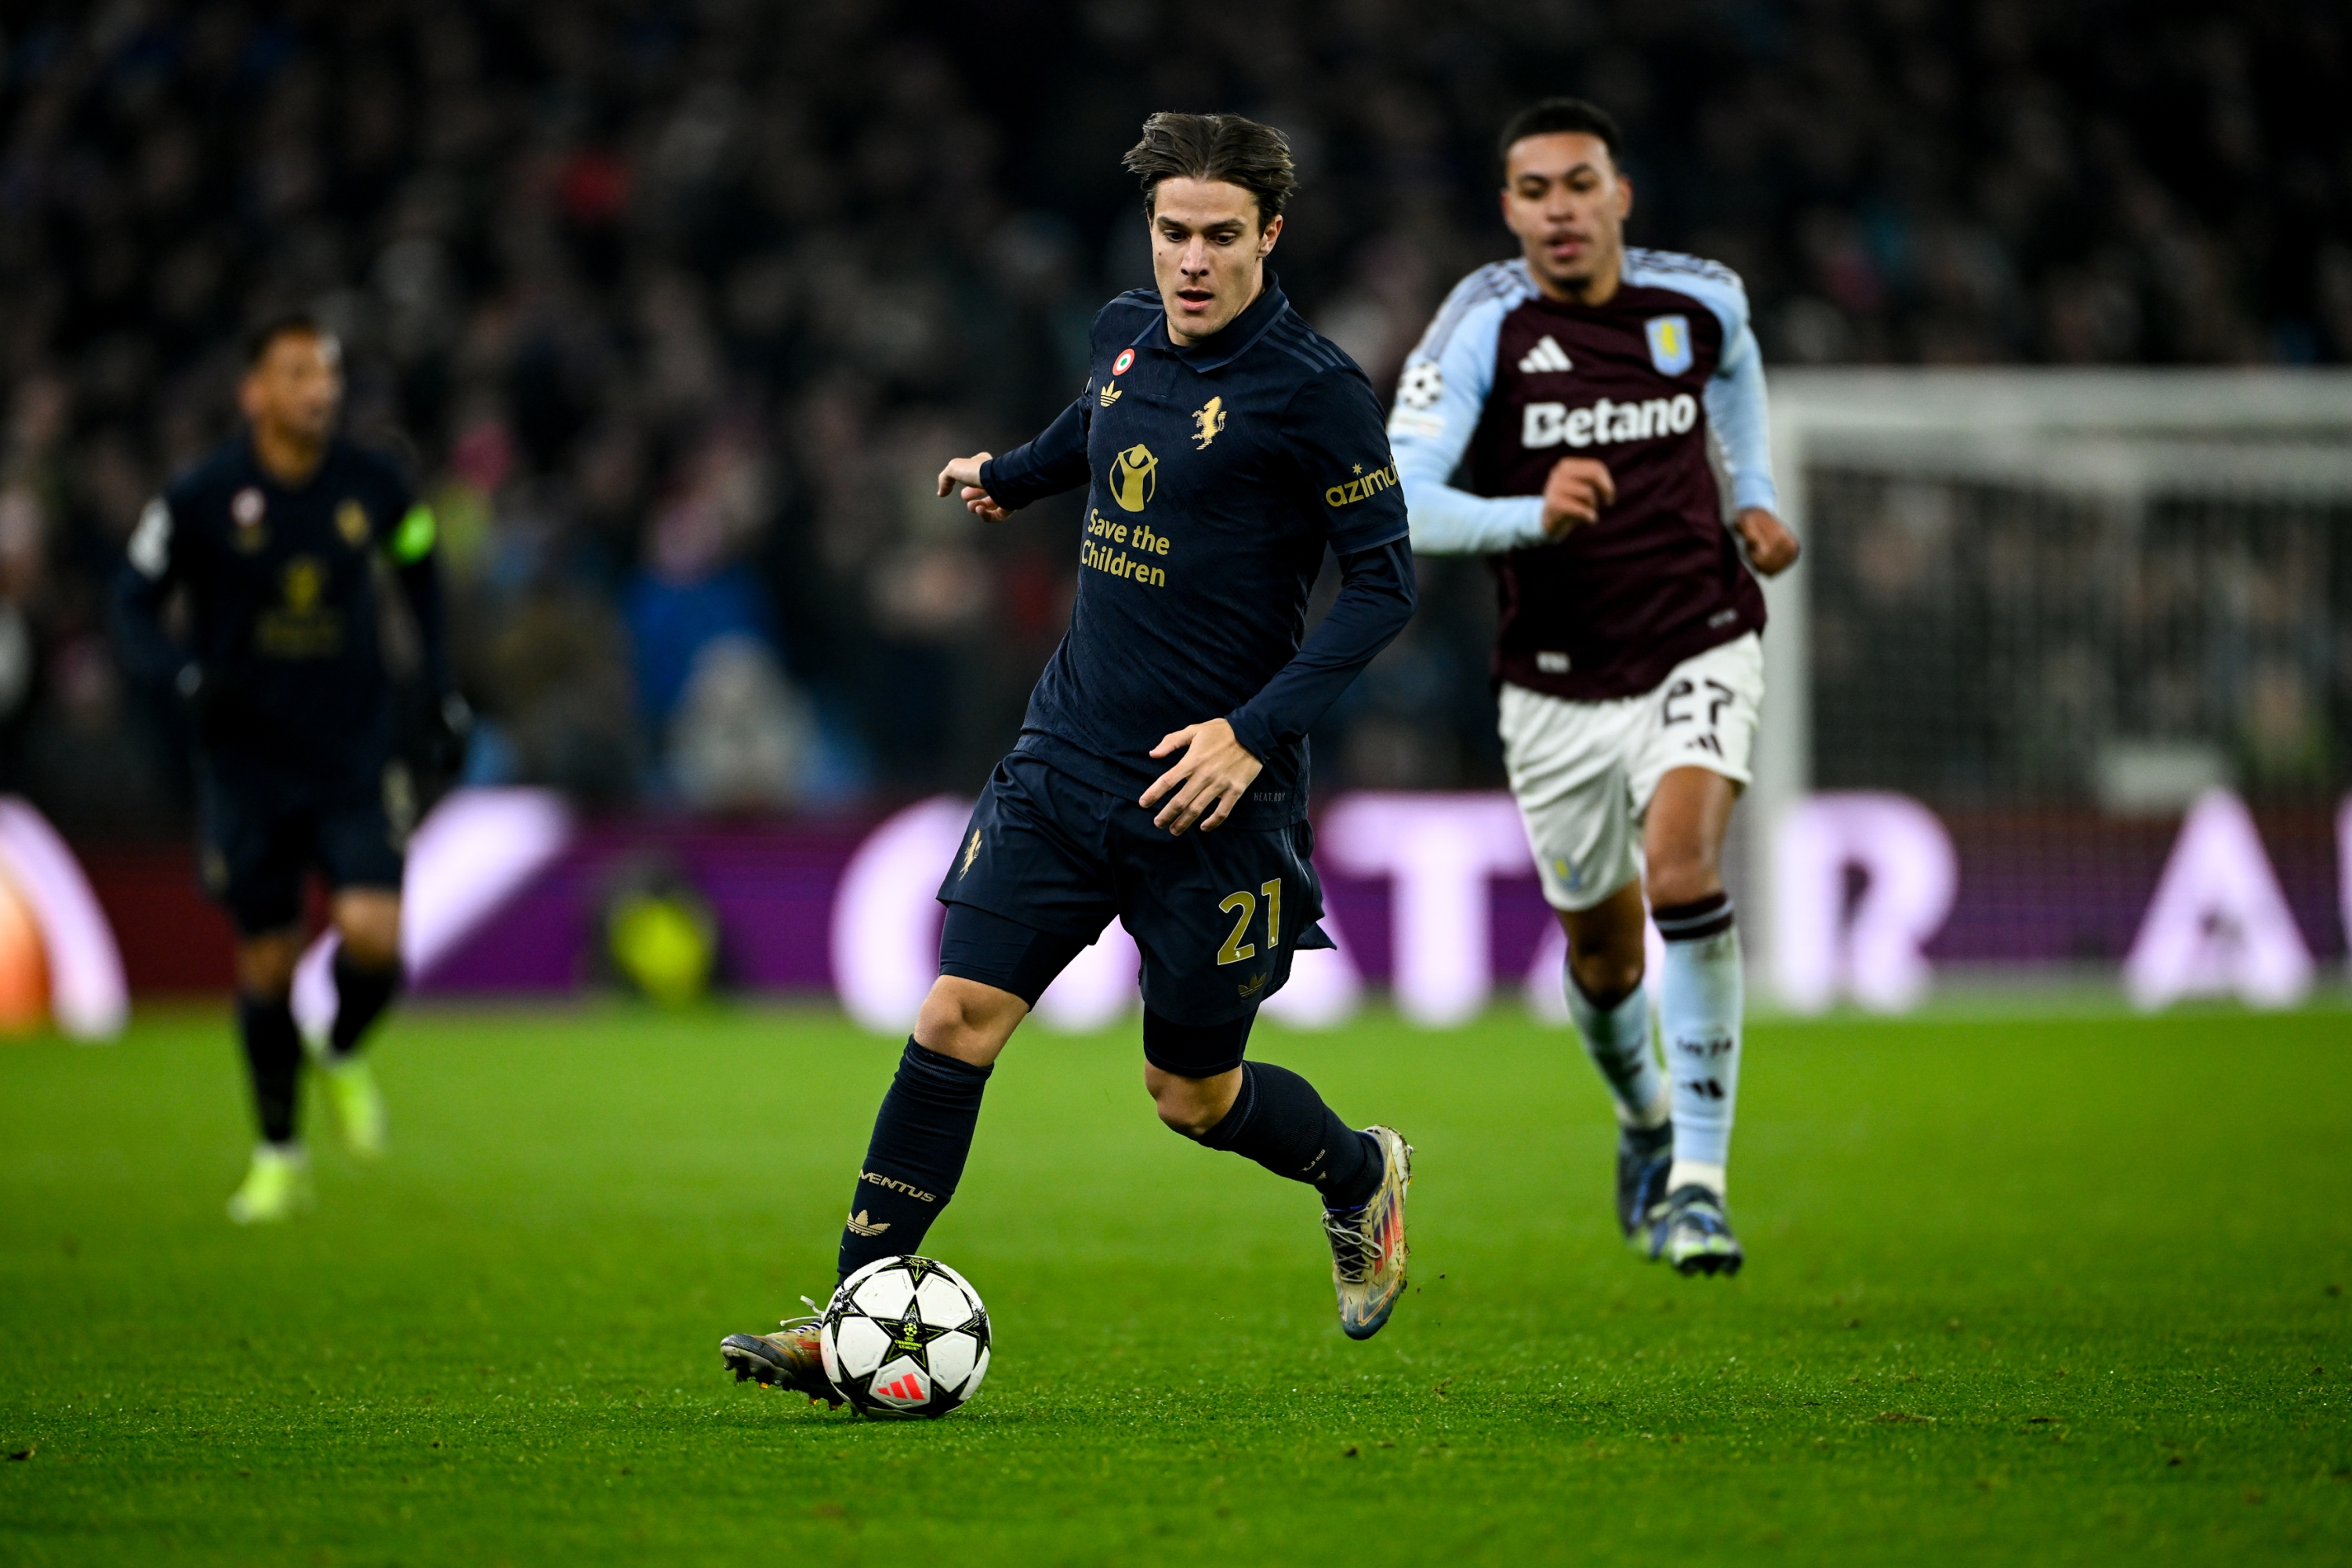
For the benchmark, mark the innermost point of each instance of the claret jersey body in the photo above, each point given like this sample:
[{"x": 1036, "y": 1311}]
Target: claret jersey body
[{"x": 1508, "y": 381}]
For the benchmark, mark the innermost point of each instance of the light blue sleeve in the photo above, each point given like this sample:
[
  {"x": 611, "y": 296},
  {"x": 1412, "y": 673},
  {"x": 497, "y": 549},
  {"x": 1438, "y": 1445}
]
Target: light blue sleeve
[
  {"x": 1738, "y": 412},
  {"x": 1736, "y": 408},
  {"x": 1440, "y": 400}
]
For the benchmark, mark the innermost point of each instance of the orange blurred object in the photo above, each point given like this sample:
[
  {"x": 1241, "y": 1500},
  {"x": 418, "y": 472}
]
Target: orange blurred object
[{"x": 24, "y": 966}]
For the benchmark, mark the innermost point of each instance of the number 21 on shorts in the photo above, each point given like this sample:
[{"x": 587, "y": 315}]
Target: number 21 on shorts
[{"x": 1243, "y": 907}]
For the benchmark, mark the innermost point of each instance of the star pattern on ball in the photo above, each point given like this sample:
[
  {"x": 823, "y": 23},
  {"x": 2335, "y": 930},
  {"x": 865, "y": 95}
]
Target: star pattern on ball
[
  {"x": 904, "y": 1337},
  {"x": 910, "y": 1335}
]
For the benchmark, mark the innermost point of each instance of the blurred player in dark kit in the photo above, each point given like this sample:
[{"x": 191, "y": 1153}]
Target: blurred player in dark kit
[
  {"x": 1576, "y": 393},
  {"x": 1161, "y": 773},
  {"x": 275, "y": 540}
]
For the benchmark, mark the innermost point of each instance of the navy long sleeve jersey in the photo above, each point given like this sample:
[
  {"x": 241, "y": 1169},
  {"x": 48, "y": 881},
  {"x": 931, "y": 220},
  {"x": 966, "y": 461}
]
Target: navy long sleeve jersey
[
  {"x": 1216, "y": 475},
  {"x": 282, "y": 589}
]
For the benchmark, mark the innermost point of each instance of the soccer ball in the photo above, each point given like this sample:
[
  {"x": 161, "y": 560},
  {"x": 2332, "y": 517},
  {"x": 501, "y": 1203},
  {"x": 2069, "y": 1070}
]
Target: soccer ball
[{"x": 905, "y": 1337}]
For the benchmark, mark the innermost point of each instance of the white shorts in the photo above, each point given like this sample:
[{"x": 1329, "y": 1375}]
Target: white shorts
[{"x": 1583, "y": 773}]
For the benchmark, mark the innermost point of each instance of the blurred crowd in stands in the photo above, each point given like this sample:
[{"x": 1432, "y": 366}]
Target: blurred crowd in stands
[{"x": 675, "y": 307}]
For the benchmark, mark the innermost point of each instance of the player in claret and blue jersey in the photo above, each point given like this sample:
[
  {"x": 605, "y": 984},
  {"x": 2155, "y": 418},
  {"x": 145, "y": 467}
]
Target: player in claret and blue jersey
[
  {"x": 1557, "y": 418},
  {"x": 1161, "y": 773},
  {"x": 275, "y": 541}
]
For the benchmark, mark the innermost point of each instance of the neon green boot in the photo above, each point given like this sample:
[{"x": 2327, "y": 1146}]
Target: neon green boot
[
  {"x": 357, "y": 1103},
  {"x": 277, "y": 1187}
]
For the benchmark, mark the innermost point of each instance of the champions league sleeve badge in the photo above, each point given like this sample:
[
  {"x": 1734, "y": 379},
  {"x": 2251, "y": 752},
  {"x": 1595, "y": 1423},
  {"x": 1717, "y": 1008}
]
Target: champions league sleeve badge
[
  {"x": 1670, "y": 343},
  {"x": 1423, "y": 385}
]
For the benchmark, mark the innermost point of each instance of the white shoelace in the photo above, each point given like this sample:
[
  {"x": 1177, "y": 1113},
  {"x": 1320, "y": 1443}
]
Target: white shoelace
[{"x": 1353, "y": 1246}]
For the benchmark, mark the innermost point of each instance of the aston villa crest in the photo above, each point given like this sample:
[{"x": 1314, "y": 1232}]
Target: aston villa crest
[{"x": 1670, "y": 343}]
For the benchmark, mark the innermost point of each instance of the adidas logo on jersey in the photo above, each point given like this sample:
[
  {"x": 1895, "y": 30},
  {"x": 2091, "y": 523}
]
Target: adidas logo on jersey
[{"x": 1546, "y": 355}]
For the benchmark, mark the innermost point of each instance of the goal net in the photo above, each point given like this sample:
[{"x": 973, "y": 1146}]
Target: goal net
[{"x": 2058, "y": 618}]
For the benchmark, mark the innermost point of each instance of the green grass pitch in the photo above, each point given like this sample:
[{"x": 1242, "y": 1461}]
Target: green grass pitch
[{"x": 2050, "y": 1290}]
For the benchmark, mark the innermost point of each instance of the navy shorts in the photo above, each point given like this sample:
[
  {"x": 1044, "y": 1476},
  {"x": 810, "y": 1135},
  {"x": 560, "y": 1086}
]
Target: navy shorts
[
  {"x": 1217, "y": 915},
  {"x": 259, "y": 831}
]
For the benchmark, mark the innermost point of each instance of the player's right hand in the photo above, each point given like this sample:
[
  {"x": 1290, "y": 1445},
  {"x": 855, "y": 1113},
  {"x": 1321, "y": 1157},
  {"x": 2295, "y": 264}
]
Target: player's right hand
[
  {"x": 965, "y": 471},
  {"x": 1573, "y": 494},
  {"x": 1206, "y": 783}
]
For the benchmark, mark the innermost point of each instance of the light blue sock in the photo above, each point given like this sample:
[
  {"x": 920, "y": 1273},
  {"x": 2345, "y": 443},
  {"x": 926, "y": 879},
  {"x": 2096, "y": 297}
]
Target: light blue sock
[
  {"x": 1699, "y": 1001},
  {"x": 1618, "y": 1040}
]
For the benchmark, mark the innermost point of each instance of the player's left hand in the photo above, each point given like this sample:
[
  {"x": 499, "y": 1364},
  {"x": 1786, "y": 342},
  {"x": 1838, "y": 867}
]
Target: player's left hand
[
  {"x": 965, "y": 471},
  {"x": 1214, "y": 771},
  {"x": 1771, "y": 548}
]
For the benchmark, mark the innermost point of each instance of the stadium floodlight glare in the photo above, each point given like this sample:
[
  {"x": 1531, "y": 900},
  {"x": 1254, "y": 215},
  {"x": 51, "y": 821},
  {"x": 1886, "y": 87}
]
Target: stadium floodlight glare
[
  {"x": 1875, "y": 954},
  {"x": 2219, "y": 925}
]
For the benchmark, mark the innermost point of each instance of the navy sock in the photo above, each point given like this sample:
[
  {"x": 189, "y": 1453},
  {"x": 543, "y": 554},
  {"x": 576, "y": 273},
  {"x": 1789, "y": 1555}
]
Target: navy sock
[
  {"x": 1281, "y": 1123},
  {"x": 273, "y": 1062},
  {"x": 923, "y": 1135},
  {"x": 360, "y": 996}
]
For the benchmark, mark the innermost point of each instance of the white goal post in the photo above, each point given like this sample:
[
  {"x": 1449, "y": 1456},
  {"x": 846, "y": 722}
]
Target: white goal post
[{"x": 2169, "y": 604}]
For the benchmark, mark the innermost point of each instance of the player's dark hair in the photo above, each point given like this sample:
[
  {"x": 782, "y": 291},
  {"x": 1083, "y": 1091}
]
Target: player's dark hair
[
  {"x": 1223, "y": 147},
  {"x": 284, "y": 324},
  {"x": 1556, "y": 116}
]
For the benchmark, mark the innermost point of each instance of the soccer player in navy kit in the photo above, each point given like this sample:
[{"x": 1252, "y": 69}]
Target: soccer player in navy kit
[
  {"x": 1162, "y": 771},
  {"x": 1575, "y": 393},
  {"x": 275, "y": 539}
]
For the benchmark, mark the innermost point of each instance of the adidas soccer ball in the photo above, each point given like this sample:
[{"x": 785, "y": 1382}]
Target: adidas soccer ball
[{"x": 905, "y": 1337}]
